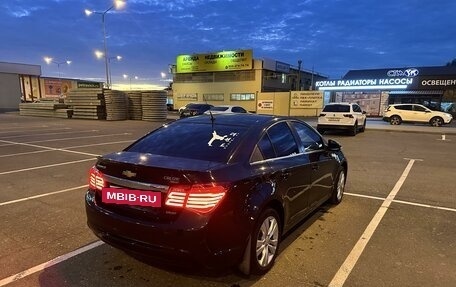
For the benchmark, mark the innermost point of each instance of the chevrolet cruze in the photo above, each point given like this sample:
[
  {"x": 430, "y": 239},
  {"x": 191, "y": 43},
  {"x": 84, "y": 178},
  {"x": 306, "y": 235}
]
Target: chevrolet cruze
[{"x": 214, "y": 190}]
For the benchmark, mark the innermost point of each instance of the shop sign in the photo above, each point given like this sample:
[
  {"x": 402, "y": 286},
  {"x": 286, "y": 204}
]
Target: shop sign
[
  {"x": 410, "y": 73},
  {"x": 266, "y": 105},
  {"x": 215, "y": 62},
  {"x": 88, "y": 85},
  {"x": 306, "y": 100},
  {"x": 188, "y": 97},
  {"x": 437, "y": 83},
  {"x": 396, "y": 83}
]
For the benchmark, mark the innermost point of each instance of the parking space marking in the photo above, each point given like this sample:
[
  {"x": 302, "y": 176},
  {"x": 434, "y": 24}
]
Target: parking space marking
[
  {"x": 46, "y": 166},
  {"x": 50, "y": 263},
  {"x": 42, "y": 195},
  {"x": 404, "y": 202},
  {"x": 346, "y": 268},
  {"x": 50, "y": 148},
  {"x": 63, "y": 148},
  {"x": 26, "y": 131},
  {"x": 75, "y": 138},
  {"x": 47, "y": 134}
]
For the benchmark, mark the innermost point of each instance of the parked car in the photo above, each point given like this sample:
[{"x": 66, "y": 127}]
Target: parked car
[
  {"x": 194, "y": 110},
  {"x": 416, "y": 113},
  {"x": 214, "y": 191},
  {"x": 342, "y": 116},
  {"x": 225, "y": 109}
]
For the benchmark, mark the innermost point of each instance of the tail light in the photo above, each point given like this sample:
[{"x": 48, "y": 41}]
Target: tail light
[
  {"x": 322, "y": 115},
  {"x": 96, "y": 180},
  {"x": 202, "y": 198},
  {"x": 348, "y": 116}
]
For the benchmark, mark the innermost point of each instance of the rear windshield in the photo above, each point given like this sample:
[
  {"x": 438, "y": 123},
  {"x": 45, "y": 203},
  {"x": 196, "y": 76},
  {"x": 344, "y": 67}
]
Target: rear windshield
[
  {"x": 192, "y": 140},
  {"x": 219, "y": 109},
  {"x": 337, "y": 108}
]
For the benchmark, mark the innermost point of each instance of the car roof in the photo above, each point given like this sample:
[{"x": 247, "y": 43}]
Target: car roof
[
  {"x": 341, "y": 103},
  {"x": 240, "y": 119}
]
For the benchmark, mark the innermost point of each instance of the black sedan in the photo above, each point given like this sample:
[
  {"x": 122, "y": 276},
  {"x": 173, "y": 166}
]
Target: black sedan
[
  {"x": 218, "y": 190},
  {"x": 194, "y": 110}
]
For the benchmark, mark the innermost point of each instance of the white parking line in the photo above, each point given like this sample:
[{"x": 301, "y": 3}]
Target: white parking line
[
  {"x": 75, "y": 138},
  {"x": 42, "y": 195},
  {"x": 48, "y": 134},
  {"x": 50, "y": 263},
  {"x": 61, "y": 149},
  {"x": 46, "y": 166},
  {"x": 346, "y": 268},
  {"x": 50, "y": 148},
  {"x": 26, "y": 131}
]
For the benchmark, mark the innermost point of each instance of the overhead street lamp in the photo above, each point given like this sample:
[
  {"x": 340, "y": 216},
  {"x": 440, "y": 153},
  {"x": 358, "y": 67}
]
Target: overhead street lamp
[
  {"x": 125, "y": 76},
  {"x": 118, "y": 4},
  {"x": 99, "y": 54},
  {"x": 50, "y": 60}
]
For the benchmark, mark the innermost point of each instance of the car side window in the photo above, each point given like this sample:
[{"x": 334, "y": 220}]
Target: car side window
[
  {"x": 309, "y": 138},
  {"x": 282, "y": 139},
  {"x": 357, "y": 109},
  {"x": 404, "y": 107},
  {"x": 419, "y": 108},
  {"x": 265, "y": 147},
  {"x": 239, "y": 110}
]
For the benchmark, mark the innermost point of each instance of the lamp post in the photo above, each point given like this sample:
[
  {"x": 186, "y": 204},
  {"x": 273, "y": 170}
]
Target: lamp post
[
  {"x": 50, "y": 60},
  {"x": 99, "y": 54},
  {"x": 125, "y": 76},
  {"x": 118, "y": 4},
  {"x": 299, "y": 74}
]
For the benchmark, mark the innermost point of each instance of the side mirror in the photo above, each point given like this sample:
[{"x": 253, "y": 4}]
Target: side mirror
[
  {"x": 333, "y": 145},
  {"x": 364, "y": 112}
]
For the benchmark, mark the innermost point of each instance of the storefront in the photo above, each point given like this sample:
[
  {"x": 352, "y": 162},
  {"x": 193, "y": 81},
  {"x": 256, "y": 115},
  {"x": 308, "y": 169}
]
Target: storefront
[
  {"x": 374, "y": 90},
  {"x": 236, "y": 78}
]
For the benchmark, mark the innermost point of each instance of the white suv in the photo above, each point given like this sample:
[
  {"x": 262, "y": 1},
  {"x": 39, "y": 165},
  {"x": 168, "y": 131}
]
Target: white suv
[
  {"x": 398, "y": 113},
  {"x": 342, "y": 116}
]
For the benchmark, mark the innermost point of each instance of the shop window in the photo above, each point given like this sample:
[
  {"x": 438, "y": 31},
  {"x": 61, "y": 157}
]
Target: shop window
[
  {"x": 214, "y": 97},
  {"x": 242, "y": 97}
]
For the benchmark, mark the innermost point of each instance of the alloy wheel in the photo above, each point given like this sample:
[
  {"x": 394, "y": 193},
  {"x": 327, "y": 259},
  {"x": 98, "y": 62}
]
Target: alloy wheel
[{"x": 267, "y": 241}]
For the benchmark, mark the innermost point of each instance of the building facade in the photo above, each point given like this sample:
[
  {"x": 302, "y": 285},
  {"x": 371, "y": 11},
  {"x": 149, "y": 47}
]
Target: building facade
[
  {"x": 236, "y": 78},
  {"x": 374, "y": 90}
]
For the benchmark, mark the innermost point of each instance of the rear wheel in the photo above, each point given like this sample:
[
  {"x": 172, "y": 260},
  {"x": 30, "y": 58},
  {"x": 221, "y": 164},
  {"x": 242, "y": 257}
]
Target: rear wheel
[
  {"x": 436, "y": 121},
  {"x": 265, "y": 242},
  {"x": 395, "y": 120},
  {"x": 338, "y": 187},
  {"x": 363, "y": 128},
  {"x": 354, "y": 129}
]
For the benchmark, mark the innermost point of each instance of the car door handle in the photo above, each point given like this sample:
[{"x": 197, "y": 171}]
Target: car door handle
[{"x": 315, "y": 167}]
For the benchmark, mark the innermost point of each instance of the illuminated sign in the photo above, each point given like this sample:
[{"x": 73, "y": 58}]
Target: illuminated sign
[
  {"x": 306, "y": 100},
  {"x": 403, "y": 73},
  {"x": 364, "y": 84},
  {"x": 88, "y": 85},
  {"x": 215, "y": 62}
]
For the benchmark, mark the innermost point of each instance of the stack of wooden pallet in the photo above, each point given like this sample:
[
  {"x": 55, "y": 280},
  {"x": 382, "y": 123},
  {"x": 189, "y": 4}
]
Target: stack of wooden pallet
[
  {"x": 154, "y": 106},
  {"x": 87, "y": 104},
  {"x": 45, "y": 108},
  {"x": 116, "y": 105},
  {"x": 134, "y": 105}
]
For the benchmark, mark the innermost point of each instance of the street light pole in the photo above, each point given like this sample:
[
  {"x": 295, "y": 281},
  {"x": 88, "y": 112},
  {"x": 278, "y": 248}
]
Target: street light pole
[
  {"x": 299, "y": 74},
  {"x": 117, "y": 5}
]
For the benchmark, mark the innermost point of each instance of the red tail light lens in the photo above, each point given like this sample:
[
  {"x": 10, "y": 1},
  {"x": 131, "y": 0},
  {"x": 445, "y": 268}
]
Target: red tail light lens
[
  {"x": 202, "y": 198},
  {"x": 96, "y": 180},
  {"x": 348, "y": 116}
]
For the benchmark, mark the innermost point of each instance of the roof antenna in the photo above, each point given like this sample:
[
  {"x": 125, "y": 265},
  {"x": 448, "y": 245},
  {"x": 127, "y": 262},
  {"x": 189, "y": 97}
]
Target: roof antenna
[{"x": 210, "y": 112}]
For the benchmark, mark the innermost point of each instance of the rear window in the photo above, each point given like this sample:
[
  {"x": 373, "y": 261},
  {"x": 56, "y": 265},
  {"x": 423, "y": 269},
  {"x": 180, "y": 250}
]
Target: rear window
[
  {"x": 337, "y": 108},
  {"x": 194, "y": 141},
  {"x": 219, "y": 109}
]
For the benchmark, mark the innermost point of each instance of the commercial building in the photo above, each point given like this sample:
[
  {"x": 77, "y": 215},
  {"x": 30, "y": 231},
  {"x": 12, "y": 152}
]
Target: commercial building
[
  {"x": 23, "y": 83},
  {"x": 236, "y": 78},
  {"x": 375, "y": 89}
]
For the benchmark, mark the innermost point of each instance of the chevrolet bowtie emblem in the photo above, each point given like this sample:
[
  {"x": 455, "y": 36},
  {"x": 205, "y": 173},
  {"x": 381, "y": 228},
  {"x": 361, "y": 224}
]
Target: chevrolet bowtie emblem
[{"x": 128, "y": 173}]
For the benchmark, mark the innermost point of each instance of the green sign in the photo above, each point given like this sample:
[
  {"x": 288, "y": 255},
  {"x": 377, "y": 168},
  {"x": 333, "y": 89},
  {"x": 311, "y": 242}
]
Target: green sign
[
  {"x": 89, "y": 85},
  {"x": 215, "y": 62}
]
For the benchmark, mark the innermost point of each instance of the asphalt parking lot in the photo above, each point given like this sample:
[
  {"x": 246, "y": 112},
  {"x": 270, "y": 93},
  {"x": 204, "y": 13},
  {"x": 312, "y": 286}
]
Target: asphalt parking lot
[{"x": 396, "y": 225}]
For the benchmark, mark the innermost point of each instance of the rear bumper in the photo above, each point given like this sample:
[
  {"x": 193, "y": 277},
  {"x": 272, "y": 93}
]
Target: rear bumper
[
  {"x": 334, "y": 127},
  {"x": 171, "y": 243}
]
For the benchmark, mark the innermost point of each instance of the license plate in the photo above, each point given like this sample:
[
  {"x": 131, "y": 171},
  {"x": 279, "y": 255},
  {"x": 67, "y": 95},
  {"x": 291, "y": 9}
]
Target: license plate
[
  {"x": 333, "y": 119},
  {"x": 130, "y": 197}
]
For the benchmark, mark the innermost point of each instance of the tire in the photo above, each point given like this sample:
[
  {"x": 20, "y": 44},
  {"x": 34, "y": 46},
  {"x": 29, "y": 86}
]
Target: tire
[
  {"x": 265, "y": 242},
  {"x": 363, "y": 128},
  {"x": 436, "y": 122},
  {"x": 338, "y": 187},
  {"x": 395, "y": 120},
  {"x": 354, "y": 129}
]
